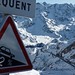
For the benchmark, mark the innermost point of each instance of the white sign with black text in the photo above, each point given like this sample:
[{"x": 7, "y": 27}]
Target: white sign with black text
[{"x": 18, "y": 7}]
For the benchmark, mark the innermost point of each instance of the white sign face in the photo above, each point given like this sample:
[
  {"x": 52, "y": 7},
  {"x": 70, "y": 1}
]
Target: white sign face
[{"x": 18, "y": 7}]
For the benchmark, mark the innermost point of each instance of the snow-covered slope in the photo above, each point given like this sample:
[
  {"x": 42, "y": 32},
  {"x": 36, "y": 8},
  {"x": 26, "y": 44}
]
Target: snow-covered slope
[{"x": 51, "y": 30}]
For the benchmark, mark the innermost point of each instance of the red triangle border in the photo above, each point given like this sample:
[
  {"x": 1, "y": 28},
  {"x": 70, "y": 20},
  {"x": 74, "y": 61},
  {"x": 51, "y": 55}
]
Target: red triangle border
[{"x": 10, "y": 22}]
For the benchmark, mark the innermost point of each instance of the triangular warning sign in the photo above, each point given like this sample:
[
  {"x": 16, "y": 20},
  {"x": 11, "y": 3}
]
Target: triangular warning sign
[{"x": 13, "y": 56}]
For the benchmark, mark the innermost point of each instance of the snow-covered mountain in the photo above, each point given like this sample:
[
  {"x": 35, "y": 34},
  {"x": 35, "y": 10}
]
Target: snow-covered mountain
[{"x": 52, "y": 30}]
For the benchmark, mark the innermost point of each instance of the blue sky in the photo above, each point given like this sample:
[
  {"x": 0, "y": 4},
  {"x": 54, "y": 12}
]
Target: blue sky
[{"x": 57, "y": 1}]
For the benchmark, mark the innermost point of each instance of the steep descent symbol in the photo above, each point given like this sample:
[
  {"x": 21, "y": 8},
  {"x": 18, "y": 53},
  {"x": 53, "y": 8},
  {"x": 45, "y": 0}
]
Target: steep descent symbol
[
  {"x": 7, "y": 58},
  {"x": 13, "y": 56}
]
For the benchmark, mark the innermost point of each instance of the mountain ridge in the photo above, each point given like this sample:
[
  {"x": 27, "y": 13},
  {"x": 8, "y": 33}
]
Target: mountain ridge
[{"x": 53, "y": 26}]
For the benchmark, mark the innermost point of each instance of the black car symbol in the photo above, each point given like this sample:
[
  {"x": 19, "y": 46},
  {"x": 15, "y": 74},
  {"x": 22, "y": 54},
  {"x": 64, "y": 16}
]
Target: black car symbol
[{"x": 6, "y": 51}]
